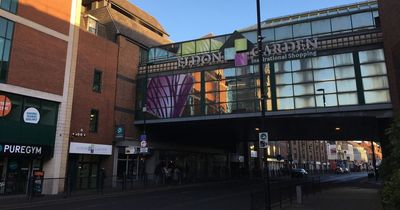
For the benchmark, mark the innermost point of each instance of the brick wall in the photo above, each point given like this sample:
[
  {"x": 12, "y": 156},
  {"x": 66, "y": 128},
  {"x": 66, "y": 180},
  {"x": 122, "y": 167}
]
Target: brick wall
[{"x": 37, "y": 60}]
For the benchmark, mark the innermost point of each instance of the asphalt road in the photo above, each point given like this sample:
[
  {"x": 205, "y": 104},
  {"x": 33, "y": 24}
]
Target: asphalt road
[{"x": 230, "y": 195}]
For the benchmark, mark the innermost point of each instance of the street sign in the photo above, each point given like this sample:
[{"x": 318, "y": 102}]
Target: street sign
[
  {"x": 143, "y": 144},
  {"x": 144, "y": 150},
  {"x": 143, "y": 137},
  {"x": 263, "y": 139},
  {"x": 119, "y": 132},
  {"x": 129, "y": 150}
]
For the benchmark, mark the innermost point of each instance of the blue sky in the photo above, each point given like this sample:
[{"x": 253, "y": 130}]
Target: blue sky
[{"x": 191, "y": 19}]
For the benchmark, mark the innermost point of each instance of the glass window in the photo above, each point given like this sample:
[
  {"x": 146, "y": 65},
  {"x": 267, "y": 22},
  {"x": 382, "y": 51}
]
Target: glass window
[
  {"x": 346, "y": 85},
  {"x": 251, "y": 36},
  {"x": 303, "y": 89},
  {"x": 283, "y": 78},
  {"x": 203, "y": 45},
  {"x": 285, "y": 103},
  {"x": 94, "y": 118},
  {"x": 48, "y": 113},
  {"x": 373, "y": 69},
  {"x": 344, "y": 72},
  {"x": 362, "y": 20},
  {"x": 7, "y": 48},
  {"x": 371, "y": 56},
  {"x": 372, "y": 83},
  {"x": 341, "y": 23},
  {"x": 301, "y": 64},
  {"x": 302, "y": 29},
  {"x": 330, "y": 100},
  {"x": 284, "y": 32},
  {"x": 217, "y": 43},
  {"x": 97, "y": 81},
  {"x": 92, "y": 26},
  {"x": 284, "y": 66},
  {"x": 268, "y": 34},
  {"x": 304, "y": 102},
  {"x": 329, "y": 87},
  {"x": 322, "y": 62},
  {"x": 343, "y": 59},
  {"x": 348, "y": 98},
  {"x": 2, "y": 42},
  {"x": 9, "y": 5},
  {"x": 321, "y": 26},
  {"x": 377, "y": 96},
  {"x": 284, "y": 91},
  {"x": 3, "y": 27},
  {"x": 300, "y": 77},
  {"x": 188, "y": 48},
  {"x": 324, "y": 74}
]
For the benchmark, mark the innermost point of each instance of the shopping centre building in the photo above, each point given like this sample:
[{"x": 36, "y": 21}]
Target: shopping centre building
[{"x": 326, "y": 79}]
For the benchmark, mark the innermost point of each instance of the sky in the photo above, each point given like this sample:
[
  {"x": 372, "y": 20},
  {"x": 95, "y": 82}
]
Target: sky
[{"x": 191, "y": 19}]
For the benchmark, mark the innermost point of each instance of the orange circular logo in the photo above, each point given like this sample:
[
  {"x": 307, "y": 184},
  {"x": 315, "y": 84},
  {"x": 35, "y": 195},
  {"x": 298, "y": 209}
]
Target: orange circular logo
[{"x": 5, "y": 106}]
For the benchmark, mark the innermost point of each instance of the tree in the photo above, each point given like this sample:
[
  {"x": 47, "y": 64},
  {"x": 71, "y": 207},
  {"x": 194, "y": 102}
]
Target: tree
[{"x": 390, "y": 169}]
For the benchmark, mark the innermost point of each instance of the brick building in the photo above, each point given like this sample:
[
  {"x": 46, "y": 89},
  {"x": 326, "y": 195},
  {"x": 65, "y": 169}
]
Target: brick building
[{"x": 67, "y": 78}]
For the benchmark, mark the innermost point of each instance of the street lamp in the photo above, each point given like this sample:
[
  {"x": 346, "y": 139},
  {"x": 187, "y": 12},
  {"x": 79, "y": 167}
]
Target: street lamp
[
  {"x": 263, "y": 96},
  {"x": 323, "y": 95}
]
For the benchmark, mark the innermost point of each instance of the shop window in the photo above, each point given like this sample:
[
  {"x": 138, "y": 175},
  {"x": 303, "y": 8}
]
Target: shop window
[
  {"x": 9, "y": 5},
  {"x": 284, "y": 91},
  {"x": 377, "y": 96},
  {"x": 285, "y": 103},
  {"x": 94, "y": 118},
  {"x": 305, "y": 102},
  {"x": 97, "y": 81},
  {"x": 344, "y": 72}
]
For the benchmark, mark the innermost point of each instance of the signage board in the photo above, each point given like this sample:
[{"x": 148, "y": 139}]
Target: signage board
[
  {"x": 129, "y": 150},
  {"x": 86, "y": 148},
  {"x": 143, "y": 144},
  {"x": 253, "y": 154},
  {"x": 119, "y": 132},
  {"x": 263, "y": 139},
  {"x": 5, "y": 105},
  {"x": 144, "y": 149},
  {"x": 21, "y": 149},
  {"x": 31, "y": 115}
]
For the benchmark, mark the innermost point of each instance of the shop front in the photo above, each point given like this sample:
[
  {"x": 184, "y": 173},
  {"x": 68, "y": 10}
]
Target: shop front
[
  {"x": 27, "y": 135},
  {"x": 18, "y": 163},
  {"x": 86, "y": 162}
]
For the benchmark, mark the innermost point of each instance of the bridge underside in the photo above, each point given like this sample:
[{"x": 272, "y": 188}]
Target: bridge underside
[{"x": 224, "y": 132}]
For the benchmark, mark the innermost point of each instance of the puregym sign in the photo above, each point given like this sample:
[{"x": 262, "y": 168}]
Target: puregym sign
[{"x": 20, "y": 149}]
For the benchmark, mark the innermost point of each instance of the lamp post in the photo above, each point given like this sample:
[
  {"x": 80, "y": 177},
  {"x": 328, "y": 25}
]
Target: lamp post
[
  {"x": 323, "y": 95},
  {"x": 263, "y": 96}
]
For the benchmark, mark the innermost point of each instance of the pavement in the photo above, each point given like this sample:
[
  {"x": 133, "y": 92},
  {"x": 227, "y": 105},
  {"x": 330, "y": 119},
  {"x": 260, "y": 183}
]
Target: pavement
[
  {"x": 351, "y": 191},
  {"x": 363, "y": 195}
]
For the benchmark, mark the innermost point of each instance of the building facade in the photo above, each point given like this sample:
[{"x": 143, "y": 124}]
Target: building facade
[
  {"x": 62, "y": 101},
  {"x": 316, "y": 65},
  {"x": 36, "y": 90}
]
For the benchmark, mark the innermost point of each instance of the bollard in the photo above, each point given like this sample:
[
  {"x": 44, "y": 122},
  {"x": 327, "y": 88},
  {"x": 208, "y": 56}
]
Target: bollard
[{"x": 298, "y": 194}]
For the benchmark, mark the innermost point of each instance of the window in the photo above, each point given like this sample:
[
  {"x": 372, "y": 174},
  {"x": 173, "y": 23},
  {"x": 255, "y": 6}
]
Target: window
[
  {"x": 284, "y": 32},
  {"x": 362, "y": 20},
  {"x": 92, "y": 26},
  {"x": 341, "y": 23},
  {"x": 94, "y": 118},
  {"x": 6, "y": 32},
  {"x": 97, "y": 81},
  {"x": 9, "y": 5},
  {"x": 144, "y": 54}
]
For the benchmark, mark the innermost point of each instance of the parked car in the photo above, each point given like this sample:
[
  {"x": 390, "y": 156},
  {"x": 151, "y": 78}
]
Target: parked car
[
  {"x": 339, "y": 170},
  {"x": 299, "y": 172}
]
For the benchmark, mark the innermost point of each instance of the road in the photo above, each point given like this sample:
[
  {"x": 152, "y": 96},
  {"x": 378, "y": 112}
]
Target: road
[{"x": 232, "y": 195}]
